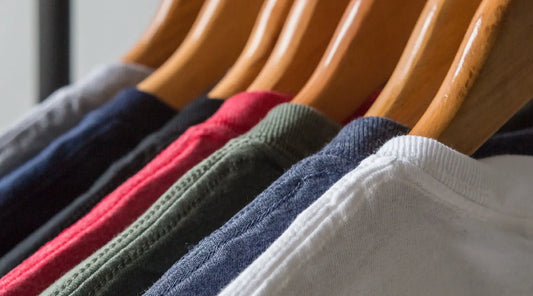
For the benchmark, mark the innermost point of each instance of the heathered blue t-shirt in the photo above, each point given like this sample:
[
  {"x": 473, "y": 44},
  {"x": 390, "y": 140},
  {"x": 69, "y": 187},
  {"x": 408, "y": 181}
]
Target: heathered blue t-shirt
[
  {"x": 220, "y": 257},
  {"x": 36, "y": 191}
]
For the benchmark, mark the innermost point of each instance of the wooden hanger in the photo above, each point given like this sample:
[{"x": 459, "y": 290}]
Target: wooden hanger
[
  {"x": 425, "y": 60},
  {"x": 490, "y": 79},
  {"x": 309, "y": 27},
  {"x": 215, "y": 40},
  {"x": 167, "y": 30},
  {"x": 257, "y": 49},
  {"x": 361, "y": 56}
]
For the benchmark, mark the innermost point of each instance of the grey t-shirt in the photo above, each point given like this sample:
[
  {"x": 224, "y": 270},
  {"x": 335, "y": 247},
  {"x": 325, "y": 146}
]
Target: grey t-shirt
[{"x": 63, "y": 110}]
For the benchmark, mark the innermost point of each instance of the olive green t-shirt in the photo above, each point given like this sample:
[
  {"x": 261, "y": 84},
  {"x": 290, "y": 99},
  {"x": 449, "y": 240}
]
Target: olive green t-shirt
[{"x": 198, "y": 203}]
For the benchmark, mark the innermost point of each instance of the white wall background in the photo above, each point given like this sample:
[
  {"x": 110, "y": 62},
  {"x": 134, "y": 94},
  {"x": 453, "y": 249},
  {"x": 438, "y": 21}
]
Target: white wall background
[
  {"x": 102, "y": 31},
  {"x": 18, "y": 58}
]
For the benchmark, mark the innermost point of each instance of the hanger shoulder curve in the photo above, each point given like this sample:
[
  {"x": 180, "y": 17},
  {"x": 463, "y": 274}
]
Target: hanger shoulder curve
[
  {"x": 258, "y": 47},
  {"x": 425, "y": 60},
  {"x": 361, "y": 56},
  {"x": 212, "y": 45},
  {"x": 304, "y": 37},
  {"x": 491, "y": 77},
  {"x": 167, "y": 30}
]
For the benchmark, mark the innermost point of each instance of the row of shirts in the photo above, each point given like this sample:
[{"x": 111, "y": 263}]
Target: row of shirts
[{"x": 252, "y": 195}]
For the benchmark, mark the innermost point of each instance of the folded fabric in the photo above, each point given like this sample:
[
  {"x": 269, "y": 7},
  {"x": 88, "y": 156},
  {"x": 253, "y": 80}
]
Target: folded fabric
[
  {"x": 220, "y": 257},
  {"x": 201, "y": 201},
  {"x": 416, "y": 218},
  {"x": 63, "y": 110},
  {"x": 33, "y": 193},
  {"x": 120, "y": 208},
  {"x": 196, "y": 112}
]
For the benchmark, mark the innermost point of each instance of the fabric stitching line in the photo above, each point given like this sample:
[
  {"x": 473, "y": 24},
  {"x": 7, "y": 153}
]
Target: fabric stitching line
[
  {"x": 186, "y": 183},
  {"x": 173, "y": 222},
  {"x": 334, "y": 190},
  {"x": 283, "y": 200},
  {"x": 218, "y": 247},
  {"x": 260, "y": 218},
  {"x": 223, "y": 228},
  {"x": 112, "y": 207},
  {"x": 249, "y": 139},
  {"x": 45, "y": 185},
  {"x": 104, "y": 251},
  {"x": 55, "y": 251},
  {"x": 212, "y": 184},
  {"x": 317, "y": 227},
  {"x": 240, "y": 285},
  {"x": 247, "y": 211}
]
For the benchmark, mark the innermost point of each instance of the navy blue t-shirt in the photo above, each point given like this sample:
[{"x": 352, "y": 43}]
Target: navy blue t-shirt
[
  {"x": 36, "y": 191},
  {"x": 194, "y": 113}
]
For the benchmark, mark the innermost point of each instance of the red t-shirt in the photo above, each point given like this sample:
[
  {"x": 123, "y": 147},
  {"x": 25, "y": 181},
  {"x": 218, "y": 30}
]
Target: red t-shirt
[{"x": 126, "y": 203}]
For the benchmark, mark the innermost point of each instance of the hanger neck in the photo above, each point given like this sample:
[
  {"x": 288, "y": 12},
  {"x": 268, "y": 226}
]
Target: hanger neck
[
  {"x": 170, "y": 25},
  {"x": 361, "y": 56},
  {"x": 304, "y": 37},
  {"x": 490, "y": 79},
  {"x": 425, "y": 60},
  {"x": 257, "y": 50},
  {"x": 212, "y": 45}
]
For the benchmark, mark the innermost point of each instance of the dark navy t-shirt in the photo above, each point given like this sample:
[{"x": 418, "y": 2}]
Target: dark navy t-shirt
[
  {"x": 194, "y": 113},
  {"x": 36, "y": 191}
]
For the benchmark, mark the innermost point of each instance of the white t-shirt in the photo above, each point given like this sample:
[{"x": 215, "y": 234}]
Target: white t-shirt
[{"x": 416, "y": 218}]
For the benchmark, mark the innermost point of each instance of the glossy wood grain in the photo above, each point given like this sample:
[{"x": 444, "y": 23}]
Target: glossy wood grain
[
  {"x": 303, "y": 40},
  {"x": 490, "y": 79},
  {"x": 170, "y": 25},
  {"x": 211, "y": 47},
  {"x": 425, "y": 60},
  {"x": 361, "y": 56},
  {"x": 257, "y": 49}
]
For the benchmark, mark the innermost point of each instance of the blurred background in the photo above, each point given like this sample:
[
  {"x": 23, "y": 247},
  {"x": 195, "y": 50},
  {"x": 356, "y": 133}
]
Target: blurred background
[{"x": 100, "y": 31}]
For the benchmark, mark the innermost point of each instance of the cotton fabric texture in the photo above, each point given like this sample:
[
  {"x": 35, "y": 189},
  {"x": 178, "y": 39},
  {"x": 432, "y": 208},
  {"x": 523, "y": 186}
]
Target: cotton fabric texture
[
  {"x": 416, "y": 218},
  {"x": 220, "y": 257},
  {"x": 34, "y": 192},
  {"x": 120, "y": 208},
  {"x": 201, "y": 201},
  {"x": 63, "y": 110},
  {"x": 194, "y": 113}
]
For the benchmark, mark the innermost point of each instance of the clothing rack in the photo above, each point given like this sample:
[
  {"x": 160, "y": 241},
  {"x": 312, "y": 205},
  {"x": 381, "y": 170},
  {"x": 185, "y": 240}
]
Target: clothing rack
[{"x": 54, "y": 46}]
